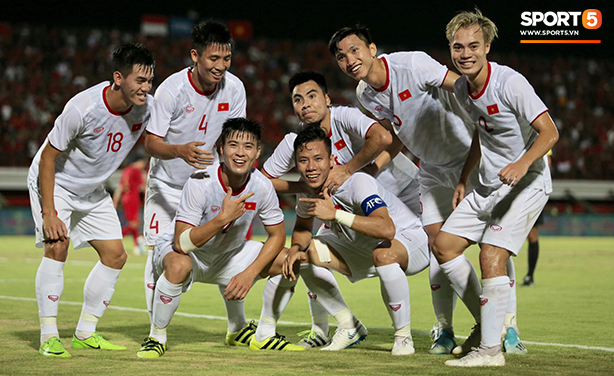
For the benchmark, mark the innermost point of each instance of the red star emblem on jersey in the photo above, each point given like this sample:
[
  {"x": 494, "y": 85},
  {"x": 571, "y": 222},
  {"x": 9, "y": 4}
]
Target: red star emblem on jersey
[
  {"x": 250, "y": 206},
  {"x": 136, "y": 127},
  {"x": 222, "y": 107},
  {"x": 340, "y": 144},
  {"x": 404, "y": 95},
  {"x": 493, "y": 109}
]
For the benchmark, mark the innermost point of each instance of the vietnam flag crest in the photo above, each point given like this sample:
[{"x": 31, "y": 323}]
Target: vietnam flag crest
[
  {"x": 340, "y": 144},
  {"x": 250, "y": 206},
  {"x": 404, "y": 95},
  {"x": 222, "y": 107},
  {"x": 493, "y": 109}
]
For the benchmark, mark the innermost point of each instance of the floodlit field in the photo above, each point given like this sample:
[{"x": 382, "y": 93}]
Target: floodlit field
[{"x": 565, "y": 321}]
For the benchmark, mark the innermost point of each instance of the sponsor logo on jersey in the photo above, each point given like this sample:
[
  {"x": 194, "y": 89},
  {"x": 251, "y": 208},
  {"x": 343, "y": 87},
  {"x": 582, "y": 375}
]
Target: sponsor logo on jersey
[
  {"x": 496, "y": 228},
  {"x": 137, "y": 127},
  {"x": 189, "y": 109},
  {"x": 493, "y": 109},
  {"x": 215, "y": 208},
  {"x": 435, "y": 287},
  {"x": 312, "y": 295},
  {"x": 512, "y": 282},
  {"x": 250, "y": 206},
  {"x": 395, "y": 307},
  {"x": 106, "y": 302},
  {"x": 151, "y": 286},
  {"x": 223, "y": 107},
  {"x": 98, "y": 129},
  {"x": 53, "y": 298},
  {"x": 378, "y": 108},
  {"x": 340, "y": 144},
  {"x": 166, "y": 299},
  {"x": 404, "y": 95},
  {"x": 483, "y": 301}
]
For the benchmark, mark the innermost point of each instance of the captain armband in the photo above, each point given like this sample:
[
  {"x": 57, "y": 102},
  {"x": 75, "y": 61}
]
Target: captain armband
[{"x": 185, "y": 242}]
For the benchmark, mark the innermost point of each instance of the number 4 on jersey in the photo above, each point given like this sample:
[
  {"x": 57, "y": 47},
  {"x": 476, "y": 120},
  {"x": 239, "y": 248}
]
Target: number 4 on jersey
[{"x": 203, "y": 124}]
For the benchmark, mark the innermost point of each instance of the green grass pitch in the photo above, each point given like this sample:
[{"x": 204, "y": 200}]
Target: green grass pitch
[{"x": 565, "y": 321}]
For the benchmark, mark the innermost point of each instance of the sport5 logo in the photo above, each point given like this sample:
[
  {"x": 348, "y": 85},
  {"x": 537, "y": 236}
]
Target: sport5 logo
[
  {"x": 496, "y": 228},
  {"x": 591, "y": 18}
]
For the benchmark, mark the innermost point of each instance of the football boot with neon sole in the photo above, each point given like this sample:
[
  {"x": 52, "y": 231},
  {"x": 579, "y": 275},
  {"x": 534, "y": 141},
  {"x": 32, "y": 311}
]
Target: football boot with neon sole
[
  {"x": 312, "y": 339},
  {"x": 53, "y": 348},
  {"x": 242, "y": 337},
  {"x": 94, "y": 342},
  {"x": 512, "y": 344},
  {"x": 151, "y": 349},
  {"x": 276, "y": 342}
]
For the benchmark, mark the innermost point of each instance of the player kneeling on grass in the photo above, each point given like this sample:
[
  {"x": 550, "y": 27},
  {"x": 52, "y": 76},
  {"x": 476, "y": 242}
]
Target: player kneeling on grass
[
  {"x": 208, "y": 244},
  {"x": 360, "y": 240}
]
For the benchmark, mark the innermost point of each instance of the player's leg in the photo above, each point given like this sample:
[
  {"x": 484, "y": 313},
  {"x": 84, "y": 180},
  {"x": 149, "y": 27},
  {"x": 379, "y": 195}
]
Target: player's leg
[
  {"x": 511, "y": 341},
  {"x": 239, "y": 331},
  {"x": 533, "y": 239}
]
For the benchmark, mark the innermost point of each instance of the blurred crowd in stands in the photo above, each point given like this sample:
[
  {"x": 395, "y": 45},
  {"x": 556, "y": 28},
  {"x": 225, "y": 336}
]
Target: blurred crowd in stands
[{"x": 42, "y": 67}]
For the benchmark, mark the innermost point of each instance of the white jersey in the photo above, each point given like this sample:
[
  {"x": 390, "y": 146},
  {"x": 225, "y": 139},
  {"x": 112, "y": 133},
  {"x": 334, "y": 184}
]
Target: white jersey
[
  {"x": 425, "y": 117},
  {"x": 361, "y": 194},
  {"x": 93, "y": 139},
  {"x": 201, "y": 201},
  {"x": 503, "y": 112},
  {"x": 348, "y": 131},
  {"x": 186, "y": 114}
]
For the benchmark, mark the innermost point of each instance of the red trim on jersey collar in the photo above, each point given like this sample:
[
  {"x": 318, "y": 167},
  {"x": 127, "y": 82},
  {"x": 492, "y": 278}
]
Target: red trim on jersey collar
[
  {"x": 387, "y": 77},
  {"x": 197, "y": 89},
  {"x": 330, "y": 132},
  {"x": 112, "y": 111},
  {"x": 219, "y": 176},
  {"x": 483, "y": 89}
]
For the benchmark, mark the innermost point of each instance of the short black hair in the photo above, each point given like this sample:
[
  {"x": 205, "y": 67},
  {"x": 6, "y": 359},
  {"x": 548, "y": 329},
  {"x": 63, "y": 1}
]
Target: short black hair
[
  {"x": 359, "y": 30},
  {"x": 305, "y": 76},
  {"x": 310, "y": 134},
  {"x": 126, "y": 56},
  {"x": 240, "y": 125},
  {"x": 210, "y": 33}
]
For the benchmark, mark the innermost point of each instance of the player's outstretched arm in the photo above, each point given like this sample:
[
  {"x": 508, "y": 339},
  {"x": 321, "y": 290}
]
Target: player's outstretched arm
[
  {"x": 54, "y": 229},
  {"x": 472, "y": 160},
  {"x": 239, "y": 285},
  {"x": 448, "y": 82},
  {"x": 301, "y": 239},
  {"x": 190, "y": 152},
  {"x": 288, "y": 187},
  {"x": 377, "y": 224},
  {"x": 548, "y": 136}
]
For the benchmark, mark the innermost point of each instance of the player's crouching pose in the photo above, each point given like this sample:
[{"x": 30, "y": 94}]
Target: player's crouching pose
[
  {"x": 361, "y": 241},
  {"x": 515, "y": 132},
  {"x": 88, "y": 142},
  {"x": 209, "y": 246}
]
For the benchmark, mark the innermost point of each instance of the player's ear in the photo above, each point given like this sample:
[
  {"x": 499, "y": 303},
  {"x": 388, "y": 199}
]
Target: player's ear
[
  {"x": 373, "y": 50},
  {"x": 487, "y": 48},
  {"x": 331, "y": 161},
  {"x": 194, "y": 55},
  {"x": 328, "y": 101},
  {"x": 117, "y": 78},
  {"x": 258, "y": 152}
]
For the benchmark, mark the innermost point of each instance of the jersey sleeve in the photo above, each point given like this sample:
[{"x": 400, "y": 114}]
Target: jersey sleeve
[
  {"x": 365, "y": 194},
  {"x": 67, "y": 126},
  {"x": 193, "y": 203},
  {"x": 520, "y": 96},
  {"x": 164, "y": 108},
  {"x": 239, "y": 106},
  {"x": 270, "y": 213},
  {"x": 282, "y": 159},
  {"x": 354, "y": 121},
  {"x": 429, "y": 71}
]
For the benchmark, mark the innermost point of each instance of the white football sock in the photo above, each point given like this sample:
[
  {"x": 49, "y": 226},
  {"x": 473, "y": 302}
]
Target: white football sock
[
  {"x": 465, "y": 283},
  {"x": 276, "y": 295},
  {"x": 235, "y": 312},
  {"x": 395, "y": 292},
  {"x": 510, "y": 315},
  {"x": 97, "y": 293},
  {"x": 319, "y": 282},
  {"x": 319, "y": 316},
  {"x": 493, "y": 301},
  {"x": 49, "y": 287},
  {"x": 149, "y": 282},
  {"x": 442, "y": 295},
  {"x": 166, "y": 301}
]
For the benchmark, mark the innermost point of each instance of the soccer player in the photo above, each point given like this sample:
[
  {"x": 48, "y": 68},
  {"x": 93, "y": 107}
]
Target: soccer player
[
  {"x": 515, "y": 132},
  {"x": 370, "y": 233},
  {"x": 358, "y": 142},
  {"x": 89, "y": 141},
  {"x": 128, "y": 192},
  {"x": 208, "y": 244},
  {"x": 191, "y": 106}
]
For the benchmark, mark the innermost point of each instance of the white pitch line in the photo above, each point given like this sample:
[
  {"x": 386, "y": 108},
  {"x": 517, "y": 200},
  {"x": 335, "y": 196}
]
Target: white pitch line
[
  {"x": 128, "y": 265},
  {"x": 210, "y": 317}
]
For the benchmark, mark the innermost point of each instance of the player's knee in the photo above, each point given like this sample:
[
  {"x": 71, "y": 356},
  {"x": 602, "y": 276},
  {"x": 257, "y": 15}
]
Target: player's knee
[
  {"x": 437, "y": 248},
  {"x": 116, "y": 259},
  {"x": 178, "y": 268},
  {"x": 57, "y": 251},
  {"x": 384, "y": 256}
]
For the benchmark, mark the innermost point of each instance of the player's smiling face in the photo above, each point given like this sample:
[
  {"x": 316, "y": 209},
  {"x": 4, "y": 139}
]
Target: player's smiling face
[
  {"x": 469, "y": 50},
  {"x": 355, "y": 57},
  {"x": 211, "y": 64},
  {"x": 136, "y": 85},
  {"x": 309, "y": 102},
  {"x": 314, "y": 163},
  {"x": 239, "y": 152}
]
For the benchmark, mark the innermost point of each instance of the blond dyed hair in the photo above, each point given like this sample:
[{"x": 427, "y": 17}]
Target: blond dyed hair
[{"x": 467, "y": 19}]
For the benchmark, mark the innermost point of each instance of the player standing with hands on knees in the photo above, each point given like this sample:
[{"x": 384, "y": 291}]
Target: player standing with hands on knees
[
  {"x": 515, "y": 133},
  {"x": 89, "y": 140},
  {"x": 191, "y": 106}
]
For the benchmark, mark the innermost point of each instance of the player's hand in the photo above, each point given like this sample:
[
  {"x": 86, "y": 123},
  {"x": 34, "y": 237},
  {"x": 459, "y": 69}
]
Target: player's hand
[
  {"x": 54, "y": 229},
  {"x": 194, "y": 156},
  {"x": 338, "y": 175},
  {"x": 459, "y": 194},
  {"x": 321, "y": 208},
  {"x": 239, "y": 286},
  {"x": 512, "y": 173},
  {"x": 233, "y": 208},
  {"x": 292, "y": 262}
]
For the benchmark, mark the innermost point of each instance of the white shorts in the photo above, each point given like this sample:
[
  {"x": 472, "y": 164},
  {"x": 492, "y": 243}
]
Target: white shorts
[
  {"x": 90, "y": 217},
  {"x": 503, "y": 218},
  {"x": 437, "y": 185},
  {"x": 217, "y": 269},
  {"x": 360, "y": 261},
  {"x": 161, "y": 203}
]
